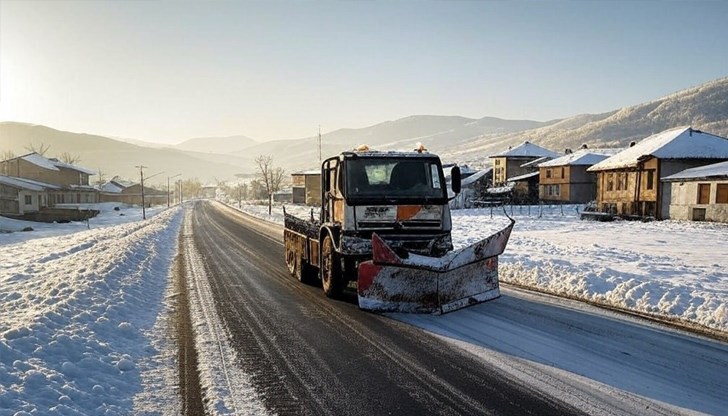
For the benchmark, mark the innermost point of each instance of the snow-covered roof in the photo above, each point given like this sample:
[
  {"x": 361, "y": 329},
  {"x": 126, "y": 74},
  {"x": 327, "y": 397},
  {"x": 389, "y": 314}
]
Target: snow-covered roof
[
  {"x": 39, "y": 160},
  {"x": 713, "y": 171},
  {"x": 677, "y": 143},
  {"x": 53, "y": 164},
  {"x": 474, "y": 177},
  {"x": 537, "y": 161},
  {"x": 112, "y": 187},
  {"x": 307, "y": 172},
  {"x": 526, "y": 149},
  {"x": 581, "y": 157},
  {"x": 27, "y": 184},
  {"x": 60, "y": 164},
  {"x": 522, "y": 177}
]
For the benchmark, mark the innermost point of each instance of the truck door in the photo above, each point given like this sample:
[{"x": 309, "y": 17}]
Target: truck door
[{"x": 331, "y": 210}]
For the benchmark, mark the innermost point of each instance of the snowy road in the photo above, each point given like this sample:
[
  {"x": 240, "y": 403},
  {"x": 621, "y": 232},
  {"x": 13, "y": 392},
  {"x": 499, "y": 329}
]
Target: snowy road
[
  {"x": 304, "y": 354},
  {"x": 524, "y": 353}
]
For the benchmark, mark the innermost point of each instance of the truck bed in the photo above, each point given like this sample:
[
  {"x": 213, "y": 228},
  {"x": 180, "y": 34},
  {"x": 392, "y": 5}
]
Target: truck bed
[{"x": 309, "y": 227}]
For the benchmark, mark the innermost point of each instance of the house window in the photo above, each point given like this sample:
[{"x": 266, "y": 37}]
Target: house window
[
  {"x": 721, "y": 196},
  {"x": 28, "y": 200},
  {"x": 548, "y": 173},
  {"x": 610, "y": 181},
  {"x": 556, "y": 190},
  {"x": 619, "y": 181},
  {"x": 650, "y": 179},
  {"x": 625, "y": 177},
  {"x": 562, "y": 172},
  {"x": 703, "y": 193},
  {"x": 497, "y": 162}
]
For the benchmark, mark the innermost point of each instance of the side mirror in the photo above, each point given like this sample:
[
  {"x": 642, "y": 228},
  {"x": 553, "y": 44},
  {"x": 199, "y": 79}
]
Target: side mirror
[{"x": 455, "y": 179}]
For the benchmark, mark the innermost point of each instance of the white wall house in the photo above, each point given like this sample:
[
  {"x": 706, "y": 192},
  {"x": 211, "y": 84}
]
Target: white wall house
[
  {"x": 700, "y": 194},
  {"x": 20, "y": 196}
]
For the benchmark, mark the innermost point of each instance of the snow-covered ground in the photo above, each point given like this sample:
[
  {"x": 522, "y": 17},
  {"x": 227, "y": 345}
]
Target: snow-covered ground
[
  {"x": 669, "y": 269},
  {"x": 84, "y": 313}
]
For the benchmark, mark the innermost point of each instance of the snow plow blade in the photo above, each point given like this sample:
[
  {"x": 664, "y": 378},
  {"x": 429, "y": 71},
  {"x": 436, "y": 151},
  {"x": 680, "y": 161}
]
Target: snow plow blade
[{"x": 390, "y": 283}]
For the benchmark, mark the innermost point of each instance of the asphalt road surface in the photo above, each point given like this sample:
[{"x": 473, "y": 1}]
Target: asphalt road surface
[{"x": 308, "y": 354}]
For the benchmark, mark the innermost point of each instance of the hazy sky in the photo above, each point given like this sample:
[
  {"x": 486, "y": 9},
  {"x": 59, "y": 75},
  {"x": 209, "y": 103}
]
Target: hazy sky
[{"x": 167, "y": 71}]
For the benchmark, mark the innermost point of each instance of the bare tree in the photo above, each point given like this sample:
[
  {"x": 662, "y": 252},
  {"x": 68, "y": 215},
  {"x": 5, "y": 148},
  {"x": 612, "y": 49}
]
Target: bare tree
[
  {"x": 241, "y": 191},
  {"x": 40, "y": 149},
  {"x": 192, "y": 187},
  {"x": 101, "y": 177},
  {"x": 270, "y": 177},
  {"x": 7, "y": 155},
  {"x": 66, "y": 157}
]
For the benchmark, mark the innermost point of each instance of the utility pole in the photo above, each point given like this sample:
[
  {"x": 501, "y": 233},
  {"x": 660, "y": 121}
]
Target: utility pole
[
  {"x": 141, "y": 174},
  {"x": 168, "y": 178}
]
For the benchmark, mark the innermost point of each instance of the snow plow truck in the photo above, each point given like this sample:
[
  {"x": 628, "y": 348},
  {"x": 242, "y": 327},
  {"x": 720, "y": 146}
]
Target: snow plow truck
[{"x": 385, "y": 224}]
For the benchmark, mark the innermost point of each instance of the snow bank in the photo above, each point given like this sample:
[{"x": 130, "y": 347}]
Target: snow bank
[{"x": 82, "y": 319}]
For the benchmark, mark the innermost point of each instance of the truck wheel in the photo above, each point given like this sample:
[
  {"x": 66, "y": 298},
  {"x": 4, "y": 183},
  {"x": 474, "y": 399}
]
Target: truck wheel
[
  {"x": 331, "y": 278},
  {"x": 291, "y": 261}
]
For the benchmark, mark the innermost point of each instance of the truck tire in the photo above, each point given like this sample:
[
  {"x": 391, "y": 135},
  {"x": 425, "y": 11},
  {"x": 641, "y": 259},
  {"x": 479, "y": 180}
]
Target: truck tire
[
  {"x": 291, "y": 260},
  {"x": 331, "y": 277}
]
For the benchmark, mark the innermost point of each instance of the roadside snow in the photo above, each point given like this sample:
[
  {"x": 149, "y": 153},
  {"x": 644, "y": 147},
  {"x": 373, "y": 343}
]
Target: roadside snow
[{"x": 83, "y": 317}]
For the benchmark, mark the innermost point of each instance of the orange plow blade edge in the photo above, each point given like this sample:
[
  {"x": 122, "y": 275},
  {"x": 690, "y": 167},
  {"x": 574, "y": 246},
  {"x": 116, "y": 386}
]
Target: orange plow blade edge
[{"x": 390, "y": 283}]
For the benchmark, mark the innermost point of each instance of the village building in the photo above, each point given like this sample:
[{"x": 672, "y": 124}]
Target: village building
[
  {"x": 515, "y": 162},
  {"x": 473, "y": 186},
  {"x": 566, "y": 180},
  {"x": 628, "y": 183},
  {"x": 208, "y": 191},
  {"x": 284, "y": 195},
  {"x": 524, "y": 188},
  {"x": 700, "y": 194},
  {"x": 19, "y": 196},
  {"x": 306, "y": 187},
  {"x": 117, "y": 190},
  {"x": 72, "y": 182}
]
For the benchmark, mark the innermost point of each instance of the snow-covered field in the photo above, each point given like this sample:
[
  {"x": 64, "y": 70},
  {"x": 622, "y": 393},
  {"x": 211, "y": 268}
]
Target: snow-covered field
[{"x": 84, "y": 312}]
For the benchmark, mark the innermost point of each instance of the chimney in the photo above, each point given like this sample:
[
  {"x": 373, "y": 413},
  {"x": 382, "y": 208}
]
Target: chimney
[
  {"x": 632, "y": 143},
  {"x": 567, "y": 151},
  {"x": 583, "y": 146}
]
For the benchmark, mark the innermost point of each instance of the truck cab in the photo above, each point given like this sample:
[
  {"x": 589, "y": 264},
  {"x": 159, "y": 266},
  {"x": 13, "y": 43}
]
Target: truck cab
[{"x": 400, "y": 196}]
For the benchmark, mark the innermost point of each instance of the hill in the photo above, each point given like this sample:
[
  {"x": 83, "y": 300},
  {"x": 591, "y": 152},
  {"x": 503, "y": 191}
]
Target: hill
[
  {"x": 220, "y": 145},
  {"x": 114, "y": 157},
  {"x": 704, "y": 107},
  {"x": 438, "y": 132},
  {"x": 455, "y": 138}
]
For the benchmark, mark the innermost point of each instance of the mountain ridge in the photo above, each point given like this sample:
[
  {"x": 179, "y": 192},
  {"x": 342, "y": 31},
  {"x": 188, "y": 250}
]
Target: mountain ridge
[{"x": 454, "y": 138}]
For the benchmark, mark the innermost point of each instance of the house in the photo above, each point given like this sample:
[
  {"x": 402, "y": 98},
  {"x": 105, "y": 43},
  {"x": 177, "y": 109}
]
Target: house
[
  {"x": 524, "y": 188},
  {"x": 72, "y": 181},
  {"x": 473, "y": 186},
  {"x": 19, "y": 196},
  {"x": 699, "y": 194},
  {"x": 566, "y": 180},
  {"x": 208, "y": 191},
  {"x": 284, "y": 195},
  {"x": 515, "y": 161},
  {"x": 123, "y": 192},
  {"x": 306, "y": 187},
  {"x": 628, "y": 183}
]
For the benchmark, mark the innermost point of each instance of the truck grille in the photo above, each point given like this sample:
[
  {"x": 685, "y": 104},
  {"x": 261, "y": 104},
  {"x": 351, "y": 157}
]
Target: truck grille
[{"x": 388, "y": 225}]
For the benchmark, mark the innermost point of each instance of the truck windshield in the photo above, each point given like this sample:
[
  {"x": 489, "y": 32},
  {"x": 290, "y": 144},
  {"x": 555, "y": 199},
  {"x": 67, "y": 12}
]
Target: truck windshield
[{"x": 394, "y": 179}]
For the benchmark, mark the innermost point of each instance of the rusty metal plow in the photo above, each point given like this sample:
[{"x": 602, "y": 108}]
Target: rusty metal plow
[{"x": 390, "y": 283}]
